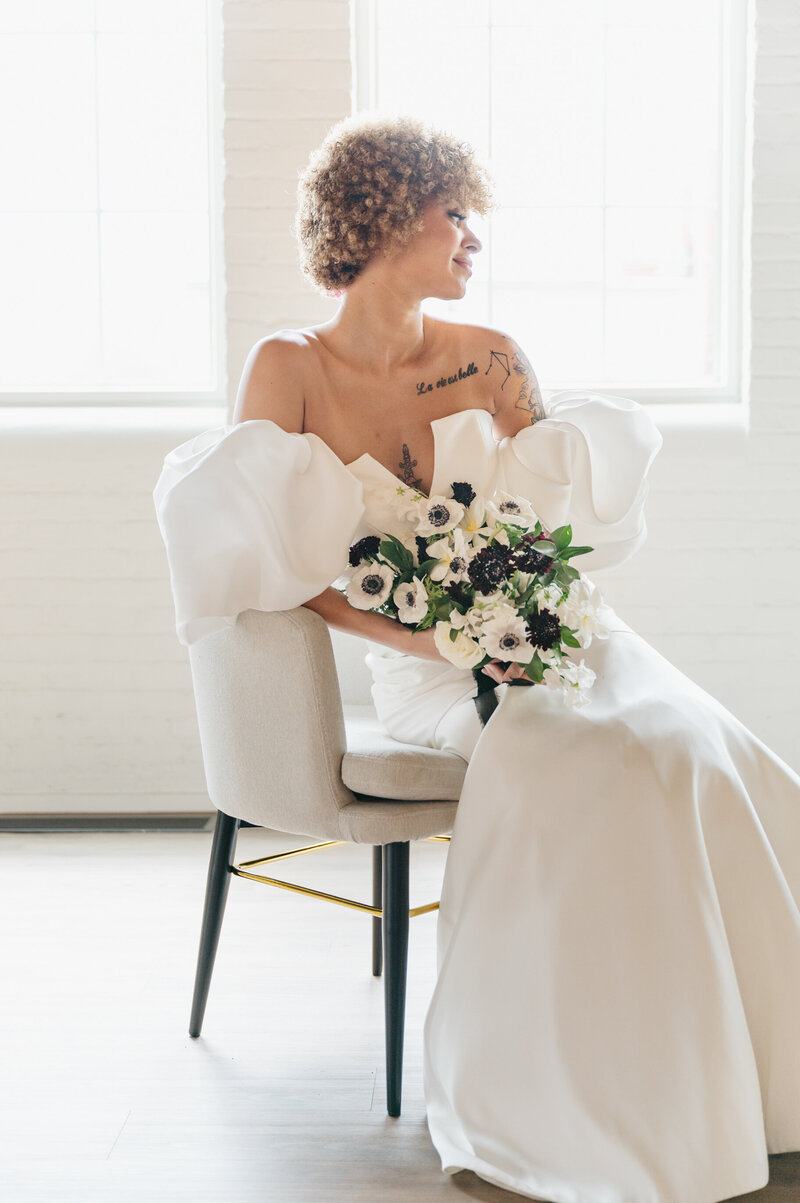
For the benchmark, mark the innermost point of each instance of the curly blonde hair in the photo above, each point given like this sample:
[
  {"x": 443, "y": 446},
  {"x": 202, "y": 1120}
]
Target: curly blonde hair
[{"x": 365, "y": 189}]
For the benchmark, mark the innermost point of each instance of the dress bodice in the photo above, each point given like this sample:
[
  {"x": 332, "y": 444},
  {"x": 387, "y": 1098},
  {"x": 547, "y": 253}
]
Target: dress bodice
[{"x": 254, "y": 517}]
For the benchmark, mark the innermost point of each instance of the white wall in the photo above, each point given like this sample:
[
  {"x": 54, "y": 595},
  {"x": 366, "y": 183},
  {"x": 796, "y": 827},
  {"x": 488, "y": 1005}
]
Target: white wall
[{"x": 97, "y": 711}]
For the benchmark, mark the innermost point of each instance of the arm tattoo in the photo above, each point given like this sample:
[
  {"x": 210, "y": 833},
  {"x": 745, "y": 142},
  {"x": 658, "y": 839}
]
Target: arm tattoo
[
  {"x": 407, "y": 466},
  {"x": 529, "y": 399},
  {"x": 500, "y": 360}
]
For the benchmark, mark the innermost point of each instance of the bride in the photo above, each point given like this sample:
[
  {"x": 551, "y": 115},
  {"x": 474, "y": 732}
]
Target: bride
[{"x": 615, "y": 1014}]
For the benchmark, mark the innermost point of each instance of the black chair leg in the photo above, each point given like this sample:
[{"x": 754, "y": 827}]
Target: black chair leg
[
  {"x": 395, "y": 942},
  {"x": 377, "y": 899},
  {"x": 219, "y": 879}
]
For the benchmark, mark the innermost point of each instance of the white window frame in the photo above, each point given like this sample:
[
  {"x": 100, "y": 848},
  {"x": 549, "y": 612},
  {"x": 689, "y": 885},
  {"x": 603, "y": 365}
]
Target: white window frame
[{"x": 216, "y": 395}]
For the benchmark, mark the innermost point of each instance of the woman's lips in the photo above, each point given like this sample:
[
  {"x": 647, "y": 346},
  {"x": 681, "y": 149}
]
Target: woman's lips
[{"x": 463, "y": 263}]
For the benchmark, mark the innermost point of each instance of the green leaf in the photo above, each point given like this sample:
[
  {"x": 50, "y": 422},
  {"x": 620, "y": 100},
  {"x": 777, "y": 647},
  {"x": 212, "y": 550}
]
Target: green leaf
[
  {"x": 426, "y": 567},
  {"x": 396, "y": 553},
  {"x": 575, "y": 551},
  {"x": 562, "y": 537},
  {"x": 535, "y": 669},
  {"x": 568, "y": 637},
  {"x": 546, "y": 547}
]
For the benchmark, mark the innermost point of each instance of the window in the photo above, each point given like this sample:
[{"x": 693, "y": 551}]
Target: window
[
  {"x": 108, "y": 209},
  {"x": 615, "y": 132}
]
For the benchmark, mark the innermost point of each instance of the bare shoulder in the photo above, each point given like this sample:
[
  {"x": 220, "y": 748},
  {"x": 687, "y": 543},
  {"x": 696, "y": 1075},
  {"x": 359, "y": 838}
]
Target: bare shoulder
[
  {"x": 272, "y": 381},
  {"x": 518, "y": 400}
]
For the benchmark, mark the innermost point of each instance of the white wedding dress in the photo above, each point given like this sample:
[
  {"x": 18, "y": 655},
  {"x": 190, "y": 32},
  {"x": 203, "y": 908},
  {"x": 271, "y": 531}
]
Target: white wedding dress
[{"x": 617, "y": 1012}]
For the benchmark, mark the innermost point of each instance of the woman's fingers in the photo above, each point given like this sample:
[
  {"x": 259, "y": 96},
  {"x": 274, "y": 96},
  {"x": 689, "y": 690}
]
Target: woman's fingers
[{"x": 495, "y": 670}]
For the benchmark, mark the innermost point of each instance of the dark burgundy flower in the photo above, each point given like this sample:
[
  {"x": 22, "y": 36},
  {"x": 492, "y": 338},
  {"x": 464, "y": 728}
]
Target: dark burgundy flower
[
  {"x": 459, "y": 594},
  {"x": 544, "y": 629},
  {"x": 463, "y": 492},
  {"x": 528, "y": 559},
  {"x": 365, "y": 549},
  {"x": 422, "y": 549},
  {"x": 490, "y": 567}
]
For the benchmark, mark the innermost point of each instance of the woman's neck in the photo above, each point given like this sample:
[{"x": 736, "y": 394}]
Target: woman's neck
[{"x": 378, "y": 329}]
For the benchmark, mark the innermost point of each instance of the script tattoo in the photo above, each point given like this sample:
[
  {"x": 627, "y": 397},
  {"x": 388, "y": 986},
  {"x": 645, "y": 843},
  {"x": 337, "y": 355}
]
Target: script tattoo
[
  {"x": 407, "y": 466},
  {"x": 443, "y": 381},
  {"x": 529, "y": 398}
]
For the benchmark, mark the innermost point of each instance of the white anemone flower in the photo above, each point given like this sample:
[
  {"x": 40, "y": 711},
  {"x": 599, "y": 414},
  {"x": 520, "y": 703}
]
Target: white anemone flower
[
  {"x": 507, "y": 639},
  {"x": 369, "y": 586},
  {"x": 411, "y": 600},
  {"x": 437, "y": 515},
  {"x": 461, "y": 651},
  {"x": 453, "y": 554},
  {"x": 505, "y": 507}
]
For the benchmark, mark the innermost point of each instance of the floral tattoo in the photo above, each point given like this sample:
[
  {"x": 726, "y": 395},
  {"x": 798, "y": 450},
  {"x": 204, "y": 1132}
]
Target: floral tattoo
[{"x": 529, "y": 397}]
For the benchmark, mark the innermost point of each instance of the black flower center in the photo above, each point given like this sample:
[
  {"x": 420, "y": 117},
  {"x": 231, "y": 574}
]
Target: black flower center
[
  {"x": 372, "y": 584},
  {"x": 438, "y": 515}
]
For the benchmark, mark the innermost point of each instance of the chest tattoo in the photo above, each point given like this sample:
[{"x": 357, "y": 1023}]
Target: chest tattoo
[{"x": 462, "y": 374}]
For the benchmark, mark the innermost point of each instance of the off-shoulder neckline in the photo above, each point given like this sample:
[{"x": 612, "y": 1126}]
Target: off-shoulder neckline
[{"x": 435, "y": 422}]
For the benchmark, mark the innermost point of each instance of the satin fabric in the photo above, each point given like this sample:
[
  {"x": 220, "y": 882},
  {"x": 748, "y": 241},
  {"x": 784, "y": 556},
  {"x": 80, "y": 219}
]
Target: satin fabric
[{"x": 614, "y": 1018}]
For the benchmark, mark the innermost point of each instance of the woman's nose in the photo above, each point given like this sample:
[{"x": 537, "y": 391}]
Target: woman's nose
[{"x": 471, "y": 241}]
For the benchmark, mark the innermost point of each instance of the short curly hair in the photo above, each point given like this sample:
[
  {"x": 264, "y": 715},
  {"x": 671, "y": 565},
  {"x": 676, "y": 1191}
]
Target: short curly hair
[{"x": 366, "y": 186}]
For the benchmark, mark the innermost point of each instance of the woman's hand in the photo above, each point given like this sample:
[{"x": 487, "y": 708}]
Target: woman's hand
[{"x": 494, "y": 669}]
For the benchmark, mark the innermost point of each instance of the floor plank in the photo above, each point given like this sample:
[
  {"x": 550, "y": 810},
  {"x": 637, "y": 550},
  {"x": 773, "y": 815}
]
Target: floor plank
[{"x": 106, "y": 1099}]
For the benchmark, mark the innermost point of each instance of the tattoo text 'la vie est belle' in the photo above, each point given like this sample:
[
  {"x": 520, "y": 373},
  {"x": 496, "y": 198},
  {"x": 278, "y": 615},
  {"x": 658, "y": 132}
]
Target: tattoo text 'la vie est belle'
[{"x": 443, "y": 381}]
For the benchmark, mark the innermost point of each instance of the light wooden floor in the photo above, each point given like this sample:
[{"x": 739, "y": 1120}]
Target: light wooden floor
[{"x": 105, "y": 1098}]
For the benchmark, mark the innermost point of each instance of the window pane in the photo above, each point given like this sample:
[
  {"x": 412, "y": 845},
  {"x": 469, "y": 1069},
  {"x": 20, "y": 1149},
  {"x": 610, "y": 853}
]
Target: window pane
[
  {"x": 105, "y": 225},
  {"x": 601, "y": 124}
]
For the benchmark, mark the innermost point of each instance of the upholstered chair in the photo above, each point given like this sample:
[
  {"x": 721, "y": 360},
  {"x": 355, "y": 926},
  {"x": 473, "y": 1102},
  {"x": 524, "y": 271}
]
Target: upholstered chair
[{"x": 280, "y": 752}]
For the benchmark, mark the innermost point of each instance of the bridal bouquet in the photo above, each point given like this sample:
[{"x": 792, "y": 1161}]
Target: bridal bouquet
[{"x": 491, "y": 580}]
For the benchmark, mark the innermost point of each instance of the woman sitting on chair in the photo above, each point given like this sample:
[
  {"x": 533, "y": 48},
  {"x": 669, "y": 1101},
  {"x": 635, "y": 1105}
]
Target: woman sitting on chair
[{"x": 615, "y": 1015}]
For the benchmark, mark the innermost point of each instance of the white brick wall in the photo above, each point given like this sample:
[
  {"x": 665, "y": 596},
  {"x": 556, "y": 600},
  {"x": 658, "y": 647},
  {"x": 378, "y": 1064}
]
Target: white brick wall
[{"x": 95, "y": 691}]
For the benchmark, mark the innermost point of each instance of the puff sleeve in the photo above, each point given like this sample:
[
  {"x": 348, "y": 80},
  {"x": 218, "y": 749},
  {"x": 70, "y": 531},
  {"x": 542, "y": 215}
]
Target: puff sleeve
[
  {"x": 252, "y": 517},
  {"x": 586, "y": 463}
]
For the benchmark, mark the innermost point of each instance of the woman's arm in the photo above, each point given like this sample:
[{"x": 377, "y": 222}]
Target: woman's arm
[
  {"x": 334, "y": 607},
  {"x": 518, "y": 401}
]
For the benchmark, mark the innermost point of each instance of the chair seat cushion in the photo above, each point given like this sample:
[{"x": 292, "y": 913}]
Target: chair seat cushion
[{"x": 378, "y": 766}]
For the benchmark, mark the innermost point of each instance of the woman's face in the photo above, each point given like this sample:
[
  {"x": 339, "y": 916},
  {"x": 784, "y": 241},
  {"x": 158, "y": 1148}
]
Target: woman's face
[{"x": 436, "y": 260}]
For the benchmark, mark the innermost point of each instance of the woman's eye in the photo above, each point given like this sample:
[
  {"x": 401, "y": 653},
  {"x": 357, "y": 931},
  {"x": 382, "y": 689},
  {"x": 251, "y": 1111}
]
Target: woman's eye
[{"x": 458, "y": 216}]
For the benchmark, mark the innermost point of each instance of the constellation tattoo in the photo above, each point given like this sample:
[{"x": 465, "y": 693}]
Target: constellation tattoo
[
  {"x": 529, "y": 399},
  {"x": 407, "y": 466},
  {"x": 501, "y": 359}
]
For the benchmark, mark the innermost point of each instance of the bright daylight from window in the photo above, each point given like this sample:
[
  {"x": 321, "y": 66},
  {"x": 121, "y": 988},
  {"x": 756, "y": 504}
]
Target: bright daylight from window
[
  {"x": 104, "y": 198},
  {"x": 606, "y": 127}
]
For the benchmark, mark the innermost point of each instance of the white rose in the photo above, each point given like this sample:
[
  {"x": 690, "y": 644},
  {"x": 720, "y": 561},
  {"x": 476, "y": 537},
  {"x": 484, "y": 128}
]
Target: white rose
[
  {"x": 462, "y": 651},
  {"x": 411, "y": 600}
]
